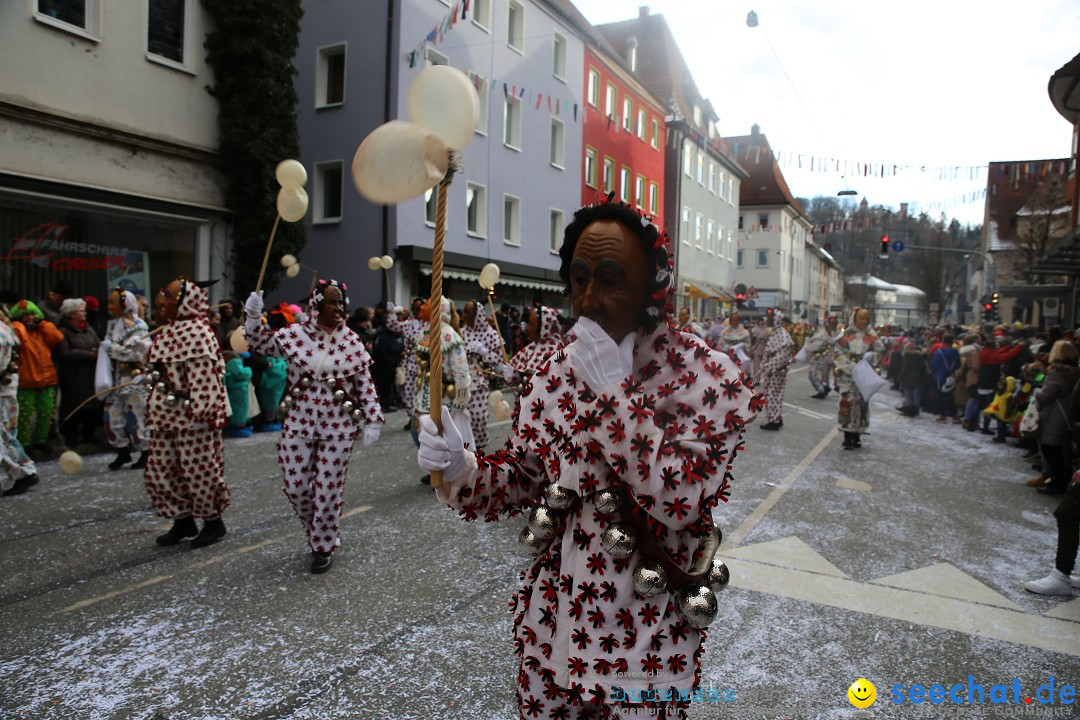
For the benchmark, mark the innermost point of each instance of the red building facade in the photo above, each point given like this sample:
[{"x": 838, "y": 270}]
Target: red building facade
[{"x": 623, "y": 136}]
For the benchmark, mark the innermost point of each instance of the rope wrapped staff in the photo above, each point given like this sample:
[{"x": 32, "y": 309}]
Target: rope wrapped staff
[{"x": 435, "y": 307}]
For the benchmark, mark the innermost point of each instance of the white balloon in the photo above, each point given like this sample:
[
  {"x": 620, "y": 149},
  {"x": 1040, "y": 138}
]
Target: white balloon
[
  {"x": 292, "y": 203},
  {"x": 292, "y": 271},
  {"x": 398, "y": 161},
  {"x": 290, "y": 173},
  {"x": 71, "y": 462},
  {"x": 489, "y": 275},
  {"x": 495, "y": 397},
  {"x": 374, "y": 263},
  {"x": 238, "y": 340},
  {"x": 386, "y": 262},
  {"x": 502, "y": 411},
  {"x": 288, "y": 260},
  {"x": 443, "y": 101}
]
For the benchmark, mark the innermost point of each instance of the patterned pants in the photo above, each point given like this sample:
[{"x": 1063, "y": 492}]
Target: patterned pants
[
  {"x": 541, "y": 699},
  {"x": 36, "y": 409},
  {"x": 185, "y": 474},
  {"x": 478, "y": 409},
  {"x": 773, "y": 384},
  {"x": 117, "y": 408},
  {"x": 821, "y": 375},
  {"x": 315, "y": 485},
  {"x": 13, "y": 460},
  {"x": 408, "y": 390}
]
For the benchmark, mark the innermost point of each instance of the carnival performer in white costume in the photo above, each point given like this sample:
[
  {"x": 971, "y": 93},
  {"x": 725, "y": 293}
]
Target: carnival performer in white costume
[{"x": 127, "y": 340}]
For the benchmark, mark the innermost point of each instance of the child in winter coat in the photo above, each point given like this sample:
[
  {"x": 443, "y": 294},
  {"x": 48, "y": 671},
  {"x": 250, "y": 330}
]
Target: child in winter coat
[{"x": 1003, "y": 408}]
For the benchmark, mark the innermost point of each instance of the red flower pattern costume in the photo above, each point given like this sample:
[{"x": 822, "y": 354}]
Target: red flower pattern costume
[
  {"x": 667, "y": 435},
  {"x": 528, "y": 359},
  {"x": 185, "y": 470},
  {"x": 317, "y": 435}
]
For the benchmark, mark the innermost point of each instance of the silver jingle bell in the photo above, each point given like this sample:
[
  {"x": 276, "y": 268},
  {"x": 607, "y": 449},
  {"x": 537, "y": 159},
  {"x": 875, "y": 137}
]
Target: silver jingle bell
[
  {"x": 296, "y": 392},
  {"x": 357, "y": 413},
  {"x": 187, "y": 403},
  {"x": 154, "y": 376},
  {"x": 697, "y": 605},
  {"x": 618, "y": 540},
  {"x": 160, "y": 387},
  {"x": 347, "y": 406},
  {"x": 339, "y": 395},
  {"x": 530, "y": 543},
  {"x": 649, "y": 579},
  {"x": 283, "y": 408},
  {"x": 305, "y": 382},
  {"x": 171, "y": 400},
  {"x": 543, "y": 522},
  {"x": 718, "y": 576},
  {"x": 558, "y": 497},
  {"x": 608, "y": 501},
  {"x": 287, "y": 401}
]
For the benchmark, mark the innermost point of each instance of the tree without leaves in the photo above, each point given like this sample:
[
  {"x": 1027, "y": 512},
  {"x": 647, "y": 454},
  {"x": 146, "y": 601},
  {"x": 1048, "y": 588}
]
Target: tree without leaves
[{"x": 251, "y": 49}]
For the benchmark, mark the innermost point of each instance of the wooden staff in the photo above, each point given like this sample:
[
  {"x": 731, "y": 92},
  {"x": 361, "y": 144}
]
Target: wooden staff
[
  {"x": 266, "y": 255},
  {"x": 95, "y": 396},
  {"x": 435, "y": 310},
  {"x": 495, "y": 319}
]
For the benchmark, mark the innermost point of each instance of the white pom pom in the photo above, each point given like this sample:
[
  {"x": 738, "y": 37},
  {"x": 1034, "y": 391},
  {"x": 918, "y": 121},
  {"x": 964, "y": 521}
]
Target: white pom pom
[{"x": 71, "y": 462}]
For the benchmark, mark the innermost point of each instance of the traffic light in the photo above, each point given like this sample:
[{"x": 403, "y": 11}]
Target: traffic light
[
  {"x": 988, "y": 311},
  {"x": 739, "y": 297},
  {"x": 884, "y": 244},
  {"x": 994, "y": 299}
]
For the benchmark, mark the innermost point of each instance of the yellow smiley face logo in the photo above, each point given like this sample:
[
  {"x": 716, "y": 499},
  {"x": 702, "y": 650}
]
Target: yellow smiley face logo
[{"x": 862, "y": 693}]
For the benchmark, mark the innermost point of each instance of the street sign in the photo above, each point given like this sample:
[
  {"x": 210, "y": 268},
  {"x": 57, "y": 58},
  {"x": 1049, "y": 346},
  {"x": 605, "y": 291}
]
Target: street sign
[
  {"x": 933, "y": 317},
  {"x": 934, "y": 307},
  {"x": 752, "y": 293},
  {"x": 751, "y": 304},
  {"x": 898, "y": 246}
]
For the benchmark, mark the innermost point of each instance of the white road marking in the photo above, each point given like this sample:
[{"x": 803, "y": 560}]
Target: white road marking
[
  {"x": 740, "y": 533},
  {"x": 849, "y": 484},
  {"x": 947, "y": 581},
  {"x": 809, "y": 412},
  {"x": 193, "y": 566}
]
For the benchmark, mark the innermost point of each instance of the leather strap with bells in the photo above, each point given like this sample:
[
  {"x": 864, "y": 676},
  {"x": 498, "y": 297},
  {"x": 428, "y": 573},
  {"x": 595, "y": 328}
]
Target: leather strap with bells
[{"x": 677, "y": 578}]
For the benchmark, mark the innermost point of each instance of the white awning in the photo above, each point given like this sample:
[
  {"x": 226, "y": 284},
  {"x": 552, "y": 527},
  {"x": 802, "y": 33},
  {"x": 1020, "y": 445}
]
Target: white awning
[{"x": 508, "y": 280}]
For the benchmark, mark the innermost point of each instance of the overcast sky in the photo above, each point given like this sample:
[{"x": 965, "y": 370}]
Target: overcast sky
[{"x": 920, "y": 82}]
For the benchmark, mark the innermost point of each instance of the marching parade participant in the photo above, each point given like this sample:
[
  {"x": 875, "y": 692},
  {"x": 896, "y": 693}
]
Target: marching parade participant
[
  {"x": 856, "y": 342},
  {"x": 126, "y": 343},
  {"x": 483, "y": 347},
  {"x": 545, "y": 337},
  {"x": 410, "y": 327},
  {"x": 185, "y": 411},
  {"x": 759, "y": 335},
  {"x": 20, "y": 474},
  {"x": 623, "y": 445},
  {"x": 821, "y": 365},
  {"x": 774, "y": 365},
  {"x": 732, "y": 333},
  {"x": 330, "y": 398}
]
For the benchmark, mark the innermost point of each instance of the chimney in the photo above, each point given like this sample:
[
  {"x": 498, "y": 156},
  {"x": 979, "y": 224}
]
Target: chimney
[
  {"x": 903, "y": 210},
  {"x": 755, "y": 130},
  {"x": 631, "y": 52},
  {"x": 643, "y": 11}
]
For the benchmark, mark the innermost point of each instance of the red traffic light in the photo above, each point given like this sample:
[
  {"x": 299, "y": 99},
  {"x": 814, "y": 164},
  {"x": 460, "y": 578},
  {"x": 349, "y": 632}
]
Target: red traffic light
[
  {"x": 738, "y": 296},
  {"x": 989, "y": 306}
]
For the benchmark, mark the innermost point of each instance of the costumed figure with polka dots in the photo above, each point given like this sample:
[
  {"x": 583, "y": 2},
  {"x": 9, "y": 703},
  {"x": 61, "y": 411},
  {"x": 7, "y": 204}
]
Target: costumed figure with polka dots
[
  {"x": 127, "y": 340},
  {"x": 778, "y": 355},
  {"x": 185, "y": 412},
  {"x": 485, "y": 352},
  {"x": 545, "y": 337},
  {"x": 330, "y": 398},
  {"x": 622, "y": 446},
  {"x": 411, "y": 329}
]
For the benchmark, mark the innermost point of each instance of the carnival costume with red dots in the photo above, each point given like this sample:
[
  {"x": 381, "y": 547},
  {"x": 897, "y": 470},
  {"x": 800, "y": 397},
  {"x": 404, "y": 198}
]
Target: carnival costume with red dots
[
  {"x": 484, "y": 350},
  {"x": 185, "y": 472},
  {"x": 666, "y": 437},
  {"x": 318, "y": 432},
  {"x": 528, "y": 358}
]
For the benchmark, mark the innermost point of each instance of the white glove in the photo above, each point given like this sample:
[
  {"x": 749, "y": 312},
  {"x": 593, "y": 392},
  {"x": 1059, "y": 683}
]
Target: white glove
[
  {"x": 105, "y": 345},
  {"x": 398, "y": 309},
  {"x": 371, "y": 433},
  {"x": 254, "y": 305},
  {"x": 508, "y": 372},
  {"x": 868, "y": 356},
  {"x": 597, "y": 358},
  {"x": 444, "y": 452},
  {"x": 477, "y": 348}
]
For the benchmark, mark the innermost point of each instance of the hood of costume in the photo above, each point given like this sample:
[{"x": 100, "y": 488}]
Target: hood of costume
[
  {"x": 779, "y": 339},
  {"x": 320, "y": 352},
  {"x": 551, "y": 339},
  {"x": 190, "y": 335},
  {"x": 118, "y": 332},
  {"x": 482, "y": 332},
  {"x": 450, "y": 337}
]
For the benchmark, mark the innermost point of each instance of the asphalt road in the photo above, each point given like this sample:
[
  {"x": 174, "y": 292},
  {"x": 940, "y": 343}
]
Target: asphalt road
[{"x": 902, "y": 563}]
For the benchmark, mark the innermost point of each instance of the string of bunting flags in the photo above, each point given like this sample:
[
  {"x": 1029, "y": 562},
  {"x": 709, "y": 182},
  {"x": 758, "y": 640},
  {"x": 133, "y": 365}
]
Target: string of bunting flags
[{"x": 458, "y": 12}]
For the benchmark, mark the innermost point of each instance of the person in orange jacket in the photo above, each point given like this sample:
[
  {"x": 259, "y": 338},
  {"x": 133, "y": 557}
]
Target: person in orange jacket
[{"x": 37, "y": 374}]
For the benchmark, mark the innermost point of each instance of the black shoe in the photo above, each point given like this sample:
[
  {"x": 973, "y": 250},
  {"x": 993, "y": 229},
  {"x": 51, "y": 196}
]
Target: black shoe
[
  {"x": 426, "y": 480},
  {"x": 212, "y": 531},
  {"x": 1031, "y": 453},
  {"x": 1049, "y": 489},
  {"x": 139, "y": 464},
  {"x": 181, "y": 529},
  {"x": 821, "y": 395},
  {"x": 847, "y": 441},
  {"x": 999, "y": 439},
  {"x": 21, "y": 485},
  {"x": 855, "y": 441},
  {"x": 987, "y": 431},
  {"x": 320, "y": 562},
  {"x": 408, "y": 425},
  {"x": 123, "y": 457},
  {"x": 771, "y": 426}
]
